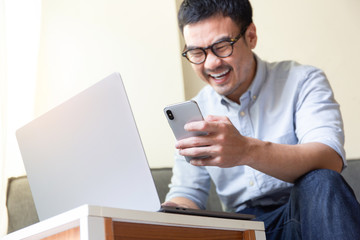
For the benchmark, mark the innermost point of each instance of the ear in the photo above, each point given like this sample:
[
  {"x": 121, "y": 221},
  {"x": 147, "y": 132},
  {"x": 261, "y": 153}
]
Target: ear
[{"x": 251, "y": 36}]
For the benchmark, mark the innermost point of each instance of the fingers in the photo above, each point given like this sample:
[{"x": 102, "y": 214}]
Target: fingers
[
  {"x": 199, "y": 141},
  {"x": 196, "y": 152},
  {"x": 217, "y": 145},
  {"x": 214, "y": 126},
  {"x": 180, "y": 202},
  {"x": 211, "y": 124},
  {"x": 212, "y": 118},
  {"x": 169, "y": 204}
]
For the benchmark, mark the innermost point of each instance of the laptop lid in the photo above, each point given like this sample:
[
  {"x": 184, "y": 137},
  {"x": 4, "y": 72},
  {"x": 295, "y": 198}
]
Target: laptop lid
[{"x": 88, "y": 151}]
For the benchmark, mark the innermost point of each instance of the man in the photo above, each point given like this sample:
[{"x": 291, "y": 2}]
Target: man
[{"x": 275, "y": 134}]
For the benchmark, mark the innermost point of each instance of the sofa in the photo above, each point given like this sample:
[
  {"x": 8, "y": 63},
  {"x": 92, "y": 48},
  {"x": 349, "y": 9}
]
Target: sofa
[{"x": 22, "y": 213}]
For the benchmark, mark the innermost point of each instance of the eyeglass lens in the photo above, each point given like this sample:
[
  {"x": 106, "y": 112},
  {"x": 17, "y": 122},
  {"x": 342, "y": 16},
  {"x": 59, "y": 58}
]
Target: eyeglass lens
[{"x": 220, "y": 49}]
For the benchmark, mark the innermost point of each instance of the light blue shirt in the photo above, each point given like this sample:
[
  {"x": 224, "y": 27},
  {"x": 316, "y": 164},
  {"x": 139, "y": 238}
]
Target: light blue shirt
[{"x": 287, "y": 103}]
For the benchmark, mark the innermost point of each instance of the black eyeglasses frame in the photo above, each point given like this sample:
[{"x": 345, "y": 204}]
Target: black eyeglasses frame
[{"x": 232, "y": 41}]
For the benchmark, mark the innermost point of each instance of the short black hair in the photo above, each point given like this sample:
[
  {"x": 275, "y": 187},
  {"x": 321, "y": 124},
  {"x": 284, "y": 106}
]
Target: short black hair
[{"x": 193, "y": 11}]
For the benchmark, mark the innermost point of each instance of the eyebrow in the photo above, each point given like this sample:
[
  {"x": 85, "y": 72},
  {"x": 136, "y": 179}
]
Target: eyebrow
[{"x": 217, "y": 41}]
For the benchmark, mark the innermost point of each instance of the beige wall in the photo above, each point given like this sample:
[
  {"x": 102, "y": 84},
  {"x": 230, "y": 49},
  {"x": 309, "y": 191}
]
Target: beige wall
[
  {"x": 323, "y": 33},
  {"x": 84, "y": 41}
]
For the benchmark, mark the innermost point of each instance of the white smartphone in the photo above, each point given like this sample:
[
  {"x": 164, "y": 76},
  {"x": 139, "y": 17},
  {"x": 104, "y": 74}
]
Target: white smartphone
[{"x": 180, "y": 114}]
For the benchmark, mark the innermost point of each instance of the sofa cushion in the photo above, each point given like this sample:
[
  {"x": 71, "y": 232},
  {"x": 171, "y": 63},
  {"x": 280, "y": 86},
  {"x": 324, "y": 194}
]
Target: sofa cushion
[{"x": 20, "y": 204}]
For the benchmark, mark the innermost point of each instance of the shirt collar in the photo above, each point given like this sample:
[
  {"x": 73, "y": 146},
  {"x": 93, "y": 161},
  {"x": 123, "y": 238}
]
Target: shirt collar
[
  {"x": 254, "y": 89},
  {"x": 259, "y": 78}
]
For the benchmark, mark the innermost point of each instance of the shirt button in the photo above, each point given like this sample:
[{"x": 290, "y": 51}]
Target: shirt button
[
  {"x": 242, "y": 113},
  {"x": 254, "y": 97},
  {"x": 251, "y": 183}
]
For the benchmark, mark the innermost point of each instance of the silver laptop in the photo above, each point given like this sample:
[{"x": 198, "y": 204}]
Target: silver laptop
[{"x": 88, "y": 151}]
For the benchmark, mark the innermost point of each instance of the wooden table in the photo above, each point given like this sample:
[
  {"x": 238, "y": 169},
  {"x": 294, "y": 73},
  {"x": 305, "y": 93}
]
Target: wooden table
[{"x": 104, "y": 223}]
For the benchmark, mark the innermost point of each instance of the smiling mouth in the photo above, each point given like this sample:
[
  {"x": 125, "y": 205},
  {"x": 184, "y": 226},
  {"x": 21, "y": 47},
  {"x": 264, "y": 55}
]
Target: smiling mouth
[{"x": 219, "y": 76}]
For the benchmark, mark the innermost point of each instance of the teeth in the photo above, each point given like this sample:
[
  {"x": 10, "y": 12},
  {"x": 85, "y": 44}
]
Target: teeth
[{"x": 219, "y": 75}]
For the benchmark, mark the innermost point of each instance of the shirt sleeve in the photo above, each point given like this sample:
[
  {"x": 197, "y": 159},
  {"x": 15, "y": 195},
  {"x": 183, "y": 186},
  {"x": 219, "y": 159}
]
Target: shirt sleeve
[
  {"x": 190, "y": 182},
  {"x": 318, "y": 117}
]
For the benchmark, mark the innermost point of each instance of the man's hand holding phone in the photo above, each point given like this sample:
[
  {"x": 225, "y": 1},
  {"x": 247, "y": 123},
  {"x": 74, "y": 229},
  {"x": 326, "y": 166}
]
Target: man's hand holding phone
[
  {"x": 210, "y": 142},
  {"x": 224, "y": 145}
]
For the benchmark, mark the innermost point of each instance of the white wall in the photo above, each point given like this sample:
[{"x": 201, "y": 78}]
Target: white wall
[
  {"x": 84, "y": 41},
  {"x": 323, "y": 33}
]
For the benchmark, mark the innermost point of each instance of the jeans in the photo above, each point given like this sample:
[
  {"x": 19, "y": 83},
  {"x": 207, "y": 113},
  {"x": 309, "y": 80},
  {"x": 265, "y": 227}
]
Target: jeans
[{"x": 321, "y": 206}]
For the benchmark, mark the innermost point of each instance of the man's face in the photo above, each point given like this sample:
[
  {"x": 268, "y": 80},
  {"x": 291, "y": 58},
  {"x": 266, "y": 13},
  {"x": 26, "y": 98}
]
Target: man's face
[{"x": 230, "y": 76}]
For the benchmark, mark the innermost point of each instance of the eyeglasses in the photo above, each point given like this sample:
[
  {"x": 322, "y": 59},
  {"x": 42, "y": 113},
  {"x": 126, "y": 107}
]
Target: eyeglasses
[{"x": 223, "y": 48}]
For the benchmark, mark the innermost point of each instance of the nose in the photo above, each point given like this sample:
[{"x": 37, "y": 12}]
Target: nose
[{"x": 212, "y": 61}]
